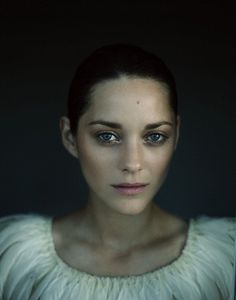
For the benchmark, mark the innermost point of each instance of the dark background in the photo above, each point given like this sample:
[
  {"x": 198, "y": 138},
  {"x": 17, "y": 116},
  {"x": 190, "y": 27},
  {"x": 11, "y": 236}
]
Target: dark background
[{"x": 42, "y": 42}]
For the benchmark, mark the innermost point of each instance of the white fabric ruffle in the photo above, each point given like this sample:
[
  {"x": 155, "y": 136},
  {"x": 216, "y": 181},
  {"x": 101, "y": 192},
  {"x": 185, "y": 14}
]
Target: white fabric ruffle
[{"x": 30, "y": 269}]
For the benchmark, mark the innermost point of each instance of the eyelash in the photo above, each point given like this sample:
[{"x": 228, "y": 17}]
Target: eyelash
[{"x": 161, "y": 140}]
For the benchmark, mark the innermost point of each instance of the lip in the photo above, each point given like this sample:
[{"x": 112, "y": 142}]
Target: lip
[
  {"x": 130, "y": 188},
  {"x": 127, "y": 184}
]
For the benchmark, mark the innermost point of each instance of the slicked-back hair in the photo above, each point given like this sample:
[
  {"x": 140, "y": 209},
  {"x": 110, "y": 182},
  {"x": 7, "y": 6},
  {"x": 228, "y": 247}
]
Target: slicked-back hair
[{"x": 112, "y": 62}]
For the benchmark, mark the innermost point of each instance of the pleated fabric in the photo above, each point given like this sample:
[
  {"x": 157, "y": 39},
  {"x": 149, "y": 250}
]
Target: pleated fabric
[{"x": 30, "y": 268}]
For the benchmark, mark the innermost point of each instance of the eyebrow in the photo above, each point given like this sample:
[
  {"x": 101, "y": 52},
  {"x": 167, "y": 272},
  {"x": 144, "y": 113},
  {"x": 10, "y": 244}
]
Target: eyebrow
[{"x": 118, "y": 126}]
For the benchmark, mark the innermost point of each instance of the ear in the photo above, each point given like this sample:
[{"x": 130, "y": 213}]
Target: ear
[
  {"x": 178, "y": 121},
  {"x": 68, "y": 139}
]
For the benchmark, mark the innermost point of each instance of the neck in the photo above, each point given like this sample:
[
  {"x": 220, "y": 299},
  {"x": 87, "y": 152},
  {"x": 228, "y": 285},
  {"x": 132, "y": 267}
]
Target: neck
[{"x": 120, "y": 231}]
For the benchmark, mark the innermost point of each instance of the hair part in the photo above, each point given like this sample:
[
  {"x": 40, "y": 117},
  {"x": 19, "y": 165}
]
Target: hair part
[{"x": 113, "y": 62}]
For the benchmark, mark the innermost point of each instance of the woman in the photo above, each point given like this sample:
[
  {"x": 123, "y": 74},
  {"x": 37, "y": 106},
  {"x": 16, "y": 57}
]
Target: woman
[{"x": 123, "y": 127}]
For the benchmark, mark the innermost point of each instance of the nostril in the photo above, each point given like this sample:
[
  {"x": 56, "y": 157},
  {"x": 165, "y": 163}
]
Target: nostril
[{"x": 132, "y": 167}]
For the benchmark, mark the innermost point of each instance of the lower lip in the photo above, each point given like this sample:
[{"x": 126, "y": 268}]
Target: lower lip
[{"x": 130, "y": 190}]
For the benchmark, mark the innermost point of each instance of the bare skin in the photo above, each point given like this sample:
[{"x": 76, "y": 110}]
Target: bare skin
[
  {"x": 82, "y": 250},
  {"x": 116, "y": 234}
]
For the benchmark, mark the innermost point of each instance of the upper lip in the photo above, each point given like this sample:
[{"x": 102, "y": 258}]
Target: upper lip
[{"x": 127, "y": 184}]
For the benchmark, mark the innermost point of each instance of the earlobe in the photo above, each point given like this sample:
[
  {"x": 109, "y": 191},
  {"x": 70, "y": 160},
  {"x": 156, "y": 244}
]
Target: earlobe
[{"x": 68, "y": 138}]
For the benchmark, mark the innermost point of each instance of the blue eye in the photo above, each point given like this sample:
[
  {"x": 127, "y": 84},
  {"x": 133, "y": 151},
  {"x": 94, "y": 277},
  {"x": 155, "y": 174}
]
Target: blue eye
[
  {"x": 106, "y": 138},
  {"x": 109, "y": 138},
  {"x": 155, "y": 138}
]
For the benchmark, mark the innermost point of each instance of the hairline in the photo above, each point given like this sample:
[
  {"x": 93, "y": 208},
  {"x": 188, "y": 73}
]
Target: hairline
[{"x": 118, "y": 76}]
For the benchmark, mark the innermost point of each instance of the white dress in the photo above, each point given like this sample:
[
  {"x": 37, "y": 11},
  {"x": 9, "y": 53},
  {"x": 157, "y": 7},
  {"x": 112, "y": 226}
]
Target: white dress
[{"x": 30, "y": 269}]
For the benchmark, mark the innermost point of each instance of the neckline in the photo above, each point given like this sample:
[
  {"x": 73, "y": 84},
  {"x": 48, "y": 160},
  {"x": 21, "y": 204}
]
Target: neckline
[{"x": 59, "y": 262}]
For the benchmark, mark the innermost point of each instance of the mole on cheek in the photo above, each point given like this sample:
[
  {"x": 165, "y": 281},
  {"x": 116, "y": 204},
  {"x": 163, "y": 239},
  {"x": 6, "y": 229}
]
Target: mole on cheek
[{"x": 137, "y": 102}]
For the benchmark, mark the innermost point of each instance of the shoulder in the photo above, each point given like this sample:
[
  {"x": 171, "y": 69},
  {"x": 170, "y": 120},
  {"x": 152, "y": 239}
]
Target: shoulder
[
  {"x": 215, "y": 238},
  {"x": 12, "y": 220},
  {"x": 211, "y": 250},
  {"x": 20, "y": 238},
  {"x": 222, "y": 229},
  {"x": 205, "y": 270},
  {"x": 19, "y": 228}
]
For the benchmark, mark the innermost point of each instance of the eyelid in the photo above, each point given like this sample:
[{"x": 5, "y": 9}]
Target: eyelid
[
  {"x": 163, "y": 136},
  {"x": 157, "y": 132},
  {"x": 106, "y": 131},
  {"x": 108, "y": 142}
]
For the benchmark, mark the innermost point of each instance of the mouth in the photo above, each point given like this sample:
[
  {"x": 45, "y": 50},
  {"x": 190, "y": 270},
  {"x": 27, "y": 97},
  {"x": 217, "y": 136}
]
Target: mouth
[{"x": 130, "y": 188}]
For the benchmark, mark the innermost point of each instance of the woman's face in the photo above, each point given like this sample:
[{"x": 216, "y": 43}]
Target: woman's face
[{"x": 127, "y": 136}]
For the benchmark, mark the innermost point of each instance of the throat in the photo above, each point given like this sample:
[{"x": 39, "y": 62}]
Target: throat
[
  {"x": 121, "y": 249},
  {"x": 102, "y": 260},
  {"x": 121, "y": 232}
]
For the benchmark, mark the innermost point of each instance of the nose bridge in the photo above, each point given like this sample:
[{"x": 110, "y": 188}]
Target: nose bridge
[{"x": 132, "y": 155}]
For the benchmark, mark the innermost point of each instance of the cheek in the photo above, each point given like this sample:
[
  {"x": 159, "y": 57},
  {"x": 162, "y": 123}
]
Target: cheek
[
  {"x": 160, "y": 162},
  {"x": 94, "y": 163}
]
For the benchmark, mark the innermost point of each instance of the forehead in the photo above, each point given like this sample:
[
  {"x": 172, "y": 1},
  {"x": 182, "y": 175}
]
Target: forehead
[{"x": 139, "y": 99}]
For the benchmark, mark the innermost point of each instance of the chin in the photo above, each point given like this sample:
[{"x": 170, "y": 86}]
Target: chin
[{"x": 131, "y": 207}]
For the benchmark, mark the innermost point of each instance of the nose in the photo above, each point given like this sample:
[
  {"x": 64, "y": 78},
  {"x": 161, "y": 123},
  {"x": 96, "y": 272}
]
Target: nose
[{"x": 131, "y": 158}]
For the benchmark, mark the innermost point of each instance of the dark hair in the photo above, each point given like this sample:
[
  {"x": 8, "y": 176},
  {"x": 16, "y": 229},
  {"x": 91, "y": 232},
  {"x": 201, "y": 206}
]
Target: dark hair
[{"x": 112, "y": 62}]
